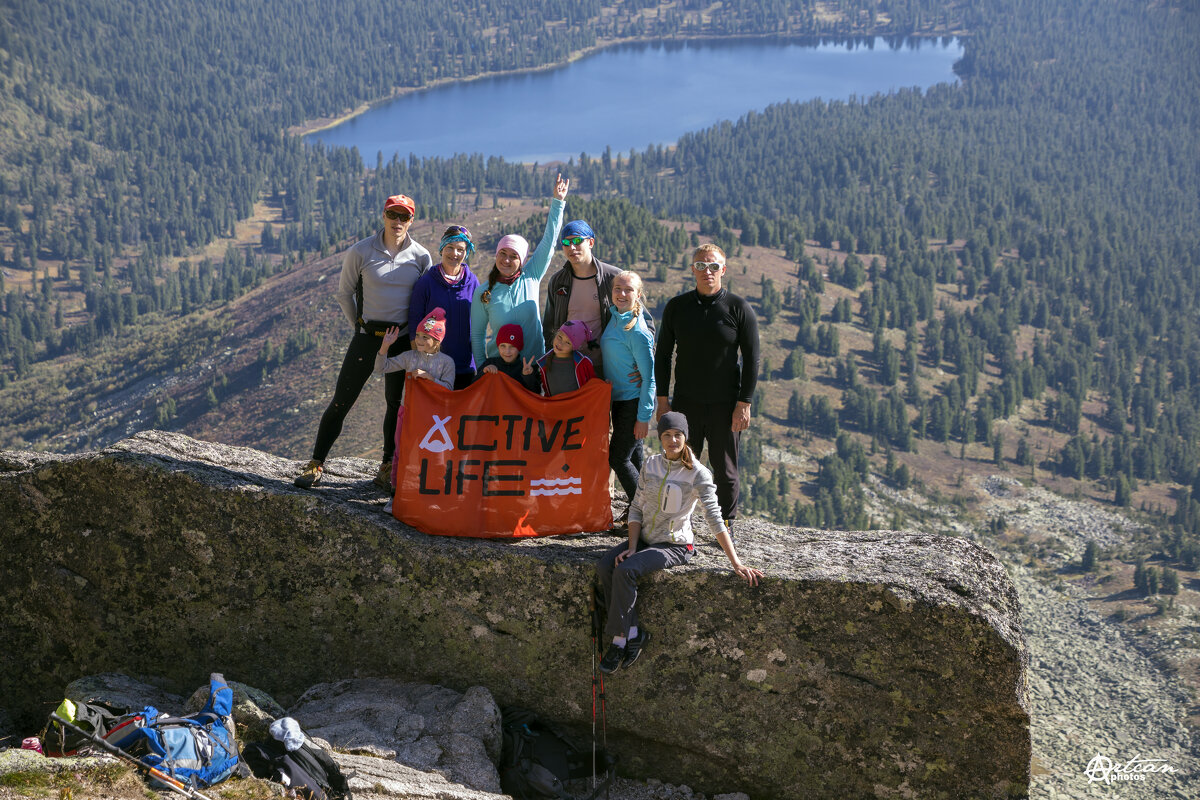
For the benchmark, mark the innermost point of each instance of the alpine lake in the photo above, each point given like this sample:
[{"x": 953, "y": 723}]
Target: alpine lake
[{"x": 630, "y": 96}]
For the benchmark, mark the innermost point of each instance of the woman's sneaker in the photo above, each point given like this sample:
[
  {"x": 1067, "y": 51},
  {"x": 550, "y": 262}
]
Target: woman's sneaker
[
  {"x": 633, "y": 648},
  {"x": 612, "y": 659},
  {"x": 310, "y": 477}
]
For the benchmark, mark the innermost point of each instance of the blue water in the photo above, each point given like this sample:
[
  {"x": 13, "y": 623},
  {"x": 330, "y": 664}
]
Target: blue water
[{"x": 631, "y": 96}]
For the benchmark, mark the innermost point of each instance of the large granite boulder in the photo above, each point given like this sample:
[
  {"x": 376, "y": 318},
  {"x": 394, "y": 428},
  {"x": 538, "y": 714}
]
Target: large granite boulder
[
  {"x": 428, "y": 728},
  {"x": 871, "y": 664},
  {"x": 122, "y": 691}
]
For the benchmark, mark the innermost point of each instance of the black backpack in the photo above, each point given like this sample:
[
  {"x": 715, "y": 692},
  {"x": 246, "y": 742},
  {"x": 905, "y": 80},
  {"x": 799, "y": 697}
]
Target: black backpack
[
  {"x": 308, "y": 771},
  {"x": 538, "y": 759},
  {"x": 107, "y": 721}
]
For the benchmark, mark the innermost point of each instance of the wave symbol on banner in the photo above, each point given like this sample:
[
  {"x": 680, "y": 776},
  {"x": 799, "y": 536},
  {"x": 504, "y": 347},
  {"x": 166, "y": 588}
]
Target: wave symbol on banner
[
  {"x": 438, "y": 446},
  {"x": 555, "y": 486}
]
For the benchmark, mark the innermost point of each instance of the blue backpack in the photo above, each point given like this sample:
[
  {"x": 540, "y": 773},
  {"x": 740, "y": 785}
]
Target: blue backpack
[{"x": 198, "y": 750}]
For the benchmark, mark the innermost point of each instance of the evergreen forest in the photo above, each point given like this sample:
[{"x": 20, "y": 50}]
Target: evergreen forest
[{"x": 1022, "y": 242}]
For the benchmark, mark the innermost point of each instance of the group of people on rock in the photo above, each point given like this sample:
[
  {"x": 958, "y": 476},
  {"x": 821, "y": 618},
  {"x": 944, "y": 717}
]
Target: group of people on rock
[{"x": 439, "y": 322}]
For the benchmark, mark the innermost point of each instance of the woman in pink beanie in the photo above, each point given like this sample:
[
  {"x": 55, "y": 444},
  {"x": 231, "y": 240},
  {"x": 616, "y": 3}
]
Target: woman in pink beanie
[{"x": 510, "y": 292}]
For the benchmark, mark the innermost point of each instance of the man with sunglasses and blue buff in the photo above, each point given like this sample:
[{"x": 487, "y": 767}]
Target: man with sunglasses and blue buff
[
  {"x": 581, "y": 290},
  {"x": 377, "y": 279},
  {"x": 713, "y": 335}
]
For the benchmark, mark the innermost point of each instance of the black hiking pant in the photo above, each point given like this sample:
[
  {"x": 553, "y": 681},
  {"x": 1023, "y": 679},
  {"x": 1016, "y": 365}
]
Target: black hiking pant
[
  {"x": 713, "y": 423},
  {"x": 357, "y": 366}
]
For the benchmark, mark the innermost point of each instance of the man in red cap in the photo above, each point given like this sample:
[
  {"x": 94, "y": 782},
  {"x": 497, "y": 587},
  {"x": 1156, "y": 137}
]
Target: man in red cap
[{"x": 378, "y": 274}]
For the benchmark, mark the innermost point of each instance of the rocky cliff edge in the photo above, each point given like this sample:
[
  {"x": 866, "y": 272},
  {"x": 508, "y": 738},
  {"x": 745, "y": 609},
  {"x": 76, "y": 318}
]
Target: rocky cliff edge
[{"x": 871, "y": 664}]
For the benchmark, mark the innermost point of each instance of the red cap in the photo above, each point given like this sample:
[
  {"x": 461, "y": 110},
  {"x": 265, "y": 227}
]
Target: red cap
[{"x": 400, "y": 201}]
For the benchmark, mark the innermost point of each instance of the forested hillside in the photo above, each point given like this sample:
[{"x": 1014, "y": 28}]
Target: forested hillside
[
  {"x": 136, "y": 129},
  {"x": 1017, "y": 248}
]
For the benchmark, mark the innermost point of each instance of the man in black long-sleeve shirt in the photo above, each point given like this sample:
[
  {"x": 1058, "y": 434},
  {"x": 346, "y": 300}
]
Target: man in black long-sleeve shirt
[{"x": 707, "y": 329}]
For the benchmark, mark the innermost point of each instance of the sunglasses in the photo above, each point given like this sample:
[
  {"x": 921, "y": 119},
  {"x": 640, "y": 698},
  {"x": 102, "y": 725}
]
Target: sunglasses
[
  {"x": 571, "y": 241},
  {"x": 453, "y": 229},
  {"x": 707, "y": 266},
  {"x": 403, "y": 216}
]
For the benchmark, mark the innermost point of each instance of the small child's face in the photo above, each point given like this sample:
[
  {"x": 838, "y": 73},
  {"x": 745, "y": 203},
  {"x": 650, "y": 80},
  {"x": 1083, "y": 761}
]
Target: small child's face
[
  {"x": 562, "y": 345},
  {"x": 426, "y": 344},
  {"x": 508, "y": 352}
]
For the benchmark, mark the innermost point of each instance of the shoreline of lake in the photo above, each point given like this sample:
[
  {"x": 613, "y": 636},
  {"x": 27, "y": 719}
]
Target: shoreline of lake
[{"x": 326, "y": 123}]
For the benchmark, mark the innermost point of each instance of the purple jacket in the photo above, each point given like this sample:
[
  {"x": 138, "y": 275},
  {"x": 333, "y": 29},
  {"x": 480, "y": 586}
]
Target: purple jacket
[{"x": 432, "y": 291}]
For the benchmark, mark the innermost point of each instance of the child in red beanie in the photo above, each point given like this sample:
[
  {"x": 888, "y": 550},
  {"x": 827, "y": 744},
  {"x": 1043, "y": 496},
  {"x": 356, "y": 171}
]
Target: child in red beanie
[{"x": 509, "y": 341}]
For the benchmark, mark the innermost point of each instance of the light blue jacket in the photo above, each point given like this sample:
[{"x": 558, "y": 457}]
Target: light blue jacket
[
  {"x": 518, "y": 302},
  {"x": 623, "y": 351}
]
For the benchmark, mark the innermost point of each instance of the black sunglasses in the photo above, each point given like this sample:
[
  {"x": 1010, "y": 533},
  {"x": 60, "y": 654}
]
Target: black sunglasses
[{"x": 403, "y": 216}]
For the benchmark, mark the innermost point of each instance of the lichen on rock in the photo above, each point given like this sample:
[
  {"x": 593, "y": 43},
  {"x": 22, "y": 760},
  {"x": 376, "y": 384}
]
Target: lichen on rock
[{"x": 880, "y": 659}]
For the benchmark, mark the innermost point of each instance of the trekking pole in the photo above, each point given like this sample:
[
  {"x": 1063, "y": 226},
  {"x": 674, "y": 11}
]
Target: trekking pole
[
  {"x": 592, "y": 610},
  {"x": 598, "y": 681},
  {"x": 157, "y": 774}
]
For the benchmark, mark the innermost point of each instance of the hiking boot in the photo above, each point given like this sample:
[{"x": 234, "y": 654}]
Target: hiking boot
[
  {"x": 633, "y": 648},
  {"x": 612, "y": 659},
  {"x": 384, "y": 477},
  {"x": 310, "y": 477}
]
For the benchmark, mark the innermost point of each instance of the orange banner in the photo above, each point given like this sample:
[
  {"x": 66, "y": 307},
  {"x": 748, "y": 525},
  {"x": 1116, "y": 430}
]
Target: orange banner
[{"x": 496, "y": 461}]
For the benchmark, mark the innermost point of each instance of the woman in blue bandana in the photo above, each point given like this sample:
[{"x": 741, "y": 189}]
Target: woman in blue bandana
[{"x": 451, "y": 285}]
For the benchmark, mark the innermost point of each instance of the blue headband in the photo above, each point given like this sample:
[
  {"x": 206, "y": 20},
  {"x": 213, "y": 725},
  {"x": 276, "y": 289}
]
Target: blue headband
[
  {"x": 578, "y": 228},
  {"x": 458, "y": 237}
]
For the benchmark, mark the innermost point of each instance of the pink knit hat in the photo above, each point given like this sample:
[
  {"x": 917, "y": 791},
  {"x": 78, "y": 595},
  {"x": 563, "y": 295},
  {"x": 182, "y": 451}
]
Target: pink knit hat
[
  {"x": 515, "y": 243},
  {"x": 578, "y": 332},
  {"x": 434, "y": 324}
]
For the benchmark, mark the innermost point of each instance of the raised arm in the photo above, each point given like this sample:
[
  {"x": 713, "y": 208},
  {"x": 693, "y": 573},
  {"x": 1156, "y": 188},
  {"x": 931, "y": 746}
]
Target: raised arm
[{"x": 538, "y": 263}]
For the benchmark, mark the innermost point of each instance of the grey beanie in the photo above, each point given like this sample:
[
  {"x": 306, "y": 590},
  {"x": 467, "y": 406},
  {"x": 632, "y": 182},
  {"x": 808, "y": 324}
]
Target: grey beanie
[{"x": 672, "y": 419}]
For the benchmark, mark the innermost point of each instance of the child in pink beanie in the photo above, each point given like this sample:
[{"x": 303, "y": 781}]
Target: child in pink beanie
[
  {"x": 426, "y": 360},
  {"x": 565, "y": 368}
]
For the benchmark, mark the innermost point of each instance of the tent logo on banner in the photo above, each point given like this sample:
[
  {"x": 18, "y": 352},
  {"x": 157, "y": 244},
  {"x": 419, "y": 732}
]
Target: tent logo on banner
[
  {"x": 438, "y": 446},
  {"x": 555, "y": 486}
]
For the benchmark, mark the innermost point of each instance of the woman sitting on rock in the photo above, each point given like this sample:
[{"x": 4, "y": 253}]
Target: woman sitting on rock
[{"x": 660, "y": 537}]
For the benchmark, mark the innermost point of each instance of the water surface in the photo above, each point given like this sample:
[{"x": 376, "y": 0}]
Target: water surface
[{"x": 631, "y": 96}]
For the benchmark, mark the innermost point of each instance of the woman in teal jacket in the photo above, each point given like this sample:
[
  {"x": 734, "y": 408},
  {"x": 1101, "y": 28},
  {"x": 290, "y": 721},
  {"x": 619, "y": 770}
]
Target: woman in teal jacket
[
  {"x": 627, "y": 346},
  {"x": 510, "y": 293}
]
